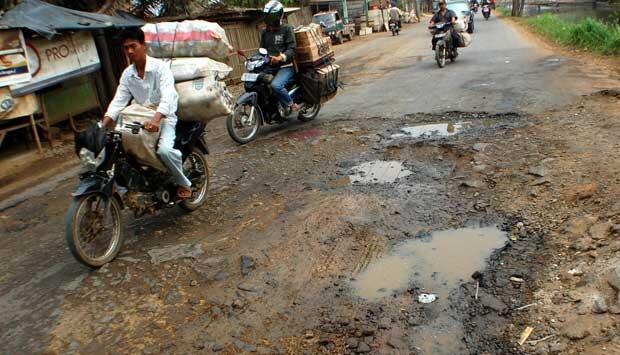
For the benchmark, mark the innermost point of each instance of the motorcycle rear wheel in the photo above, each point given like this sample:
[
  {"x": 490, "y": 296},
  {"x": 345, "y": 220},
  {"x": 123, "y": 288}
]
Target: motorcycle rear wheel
[
  {"x": 440, "y": 55},
  {"x": 309, "y": 112},
  {"x": 244, "y": 118},
  {"x": 199, "y": 192},
  {"x": 85, "y": 225}
]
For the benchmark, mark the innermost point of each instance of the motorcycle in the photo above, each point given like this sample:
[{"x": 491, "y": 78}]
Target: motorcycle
[
  {"x": 114, "y": 180},
  {"x": 486, "y": 12},
  {"x": 259, "y": 105},
  {"x": 444, "y": 46},
  {"x": 394, "y": 27}
]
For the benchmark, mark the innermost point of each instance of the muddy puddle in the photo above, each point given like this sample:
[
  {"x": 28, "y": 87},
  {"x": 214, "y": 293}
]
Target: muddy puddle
[
  {"x": 431, "y": 130},
  {"x": 435, "y": 264},
  {"x": 378, "y": 172}
]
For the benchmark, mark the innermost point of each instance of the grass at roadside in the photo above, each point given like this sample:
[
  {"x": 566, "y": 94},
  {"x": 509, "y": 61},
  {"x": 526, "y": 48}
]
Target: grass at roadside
[
  {"x": 504, "y": 11},
  {"x": 589, "y": 34}
]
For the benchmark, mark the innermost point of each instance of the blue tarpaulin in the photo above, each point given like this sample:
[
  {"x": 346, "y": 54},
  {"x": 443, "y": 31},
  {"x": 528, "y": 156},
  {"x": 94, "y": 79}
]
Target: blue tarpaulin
[{"x": 48, "y": 20}]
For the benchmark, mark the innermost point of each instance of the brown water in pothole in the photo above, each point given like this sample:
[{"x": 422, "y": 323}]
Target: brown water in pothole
[
  {"x": 378, "y": 172},
  {"x": 436, "y": 264}
]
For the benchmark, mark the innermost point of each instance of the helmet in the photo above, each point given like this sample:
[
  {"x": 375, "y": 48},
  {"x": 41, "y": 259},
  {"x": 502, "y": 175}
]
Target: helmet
[{"x": 273, "y": 13}]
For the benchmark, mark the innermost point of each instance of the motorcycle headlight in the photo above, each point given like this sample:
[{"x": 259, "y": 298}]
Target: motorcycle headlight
[{"x": 89, "y": 160}]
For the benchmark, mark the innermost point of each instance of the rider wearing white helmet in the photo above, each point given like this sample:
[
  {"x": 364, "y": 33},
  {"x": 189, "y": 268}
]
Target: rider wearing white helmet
[{"x": 279, "y": 40}]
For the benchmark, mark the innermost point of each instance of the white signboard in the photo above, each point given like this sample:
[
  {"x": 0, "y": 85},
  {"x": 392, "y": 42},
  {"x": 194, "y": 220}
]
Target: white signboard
[{"x": 53, "y": 61}]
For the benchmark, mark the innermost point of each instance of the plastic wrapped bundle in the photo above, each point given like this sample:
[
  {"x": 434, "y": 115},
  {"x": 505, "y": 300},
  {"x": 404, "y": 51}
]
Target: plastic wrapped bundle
[
  {"x": 185, "y": 69},
  {"x": 204, "y": 99},
  {"x": 141, "y": 145},
  {"x": 190, "y": 38},
  {"x": 460, "y": 25},
  {"x": 465, "y": 39}
]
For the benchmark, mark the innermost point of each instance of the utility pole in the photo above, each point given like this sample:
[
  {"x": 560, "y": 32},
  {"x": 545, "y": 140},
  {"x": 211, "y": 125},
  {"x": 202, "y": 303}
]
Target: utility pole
[
  {"x": 345, "y": 11},
  {"x": 366, "y": 11}
]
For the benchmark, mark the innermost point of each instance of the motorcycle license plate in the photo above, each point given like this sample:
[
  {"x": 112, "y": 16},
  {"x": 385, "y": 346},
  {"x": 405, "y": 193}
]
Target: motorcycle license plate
[{"x": 249, "y": 77}]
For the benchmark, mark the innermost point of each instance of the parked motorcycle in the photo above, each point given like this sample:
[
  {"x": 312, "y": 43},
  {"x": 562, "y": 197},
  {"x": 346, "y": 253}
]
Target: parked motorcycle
[
  {"x": 259, "y": 105},
  {"x": 444, "y": 46},
  {"x": 394, "y": 28},
  {"x": 486, "y": 12},
  {"x": 115, "y": 179}
]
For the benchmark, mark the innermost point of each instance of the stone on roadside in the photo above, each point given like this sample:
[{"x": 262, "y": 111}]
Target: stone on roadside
[
  {"x": 476, "y": 184},
  {"x": 175, "y": 252},
  {"x": 248, "y": 287},
  {"x": 352, "y": 343},
  {"x": 576, "y": 329},
  {"x": 581, "y": 192},
  {"x": 363, "y": 348},
  {"x": 396, "y": 343},
  {"x": 599, "y": 306},
  {"x": 481, "y": 147},
  {"x": 539, "y": 171},
  {"x": 600, "y": 230},
  {"x": 579, "y": 226},
  {"x": 614, "y": 278},
  {"x": 247, "y": 264}
]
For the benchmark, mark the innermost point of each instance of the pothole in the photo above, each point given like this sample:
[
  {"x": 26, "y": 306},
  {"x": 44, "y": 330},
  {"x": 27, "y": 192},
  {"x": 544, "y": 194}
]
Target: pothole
[
  {"x": 436, "y": 263},
  {"x": 431, "y": 130},
  {"x": 378, "y": 172}
]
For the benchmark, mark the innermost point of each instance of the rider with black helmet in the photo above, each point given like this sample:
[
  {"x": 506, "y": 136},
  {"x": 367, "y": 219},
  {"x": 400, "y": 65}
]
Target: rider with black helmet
[{"x": 279, "y": 40}]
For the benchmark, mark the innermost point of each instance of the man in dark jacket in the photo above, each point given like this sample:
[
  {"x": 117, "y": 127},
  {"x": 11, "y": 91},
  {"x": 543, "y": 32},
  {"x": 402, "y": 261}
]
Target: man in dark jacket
[{"x": 279, "y": 40}]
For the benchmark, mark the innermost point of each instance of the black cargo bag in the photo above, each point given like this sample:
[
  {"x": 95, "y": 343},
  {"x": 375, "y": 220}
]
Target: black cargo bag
[{"x": 317, "y": 83}]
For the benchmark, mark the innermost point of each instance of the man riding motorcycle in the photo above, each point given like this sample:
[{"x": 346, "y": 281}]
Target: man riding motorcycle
[
  {"x": 279, "y": 41},
  {"x": 395, "y": 15},
  {"x": 150, "y": 81},
  {"x": 443, "y": 15}
]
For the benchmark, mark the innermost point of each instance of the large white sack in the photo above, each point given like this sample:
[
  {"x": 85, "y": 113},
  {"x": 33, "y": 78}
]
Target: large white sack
[
  {"x": 466, "y": 38},
  {"x": 203, "y": 100},
  {"x": 190, "y": 38},
  {"x": 459, "y": 25},
  {"x": 185, "y": 69},
  {"x": 143, "y": 145}
]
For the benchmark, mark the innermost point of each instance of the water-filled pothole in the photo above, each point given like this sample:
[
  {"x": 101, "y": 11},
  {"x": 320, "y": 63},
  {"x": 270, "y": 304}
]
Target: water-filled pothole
[
  {"x": 431, "y": 130},
  {"x": 437, "y": 263},
  {"x": 378, "y": 172}
]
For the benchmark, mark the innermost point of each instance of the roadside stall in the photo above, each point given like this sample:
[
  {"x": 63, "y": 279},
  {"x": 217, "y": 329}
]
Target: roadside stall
[{"x": 50, "y": 65}]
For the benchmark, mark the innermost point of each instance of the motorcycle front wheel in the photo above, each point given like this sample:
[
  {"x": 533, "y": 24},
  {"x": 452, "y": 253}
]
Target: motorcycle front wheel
[
  {"x": 244, "y": 123},
  {"x": 309, "y": 112},
  {"x": 440, "y": 55},
  {"x": 94, "y": 230},
  {"x": 197, "y": 171}
]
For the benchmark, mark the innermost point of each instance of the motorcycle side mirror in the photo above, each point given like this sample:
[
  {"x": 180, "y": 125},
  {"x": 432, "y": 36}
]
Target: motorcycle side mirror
[{"x": 263, "y": 51}]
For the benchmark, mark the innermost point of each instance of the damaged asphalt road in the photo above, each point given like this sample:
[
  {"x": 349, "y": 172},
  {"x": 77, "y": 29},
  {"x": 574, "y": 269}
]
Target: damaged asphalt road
[{"x": 329, "y": 237}]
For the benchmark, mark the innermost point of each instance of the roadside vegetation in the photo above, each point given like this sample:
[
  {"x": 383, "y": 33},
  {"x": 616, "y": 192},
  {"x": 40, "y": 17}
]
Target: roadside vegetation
[{"x": 589, "y": 34}]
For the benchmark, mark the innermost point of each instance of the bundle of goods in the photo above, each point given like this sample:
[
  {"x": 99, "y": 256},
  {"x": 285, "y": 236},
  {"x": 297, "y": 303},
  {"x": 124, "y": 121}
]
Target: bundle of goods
[
  {"x": 318, "y": 75},
  {"x": 143, "y": 146},
  {"x": 190, "y": 38},
  {"x": 193, "y": 48},
  {"x": 185, "y": 69},
  {"x": 464, "y": 40},
  {"x": 204, "y": 99},
  {"x": 312, "y": 46},
  {"x": 320, "y": 84},
  {"x": 459, "y": 25}
]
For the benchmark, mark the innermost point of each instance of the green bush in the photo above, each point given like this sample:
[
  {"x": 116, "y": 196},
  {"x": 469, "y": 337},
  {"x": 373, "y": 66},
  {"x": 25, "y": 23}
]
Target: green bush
[{"x": 589, "y": 34}]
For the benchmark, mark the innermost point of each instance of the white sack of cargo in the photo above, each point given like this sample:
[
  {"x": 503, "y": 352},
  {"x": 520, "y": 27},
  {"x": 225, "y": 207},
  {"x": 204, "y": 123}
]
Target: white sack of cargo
[
  {"x": 190, "y": 38},
  {"x": 185, "y": 69},
  {"x": 466, "y": 39},
  {"x": 203, "y": 100},
  {"x": 459, "y": 25},
  {"x": 141, "y": 145}
]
